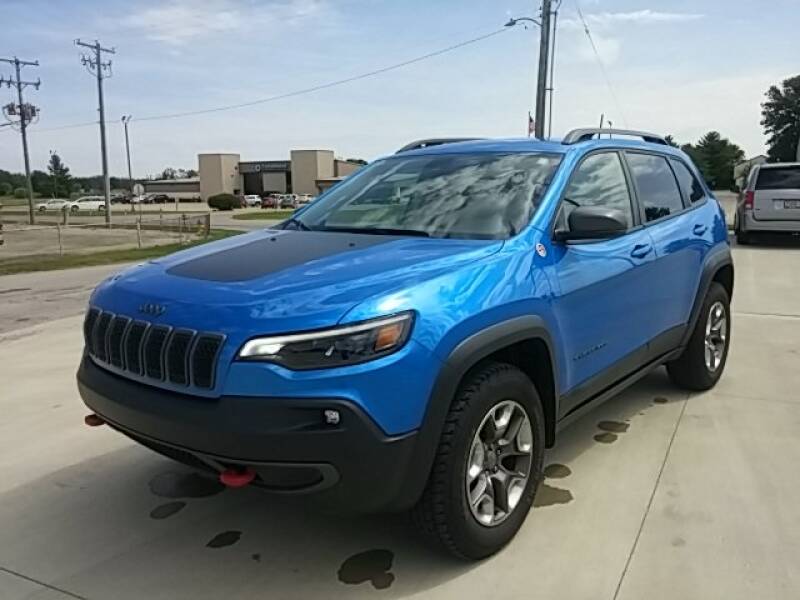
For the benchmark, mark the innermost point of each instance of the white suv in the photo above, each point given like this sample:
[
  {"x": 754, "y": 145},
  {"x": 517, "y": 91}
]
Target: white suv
[
  {"x": 770, "y": 201},
  {"x": 88, "y": 203}
]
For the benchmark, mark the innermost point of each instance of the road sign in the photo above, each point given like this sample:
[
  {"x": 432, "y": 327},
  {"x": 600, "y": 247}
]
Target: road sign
[{"x": 138, "y": 189}]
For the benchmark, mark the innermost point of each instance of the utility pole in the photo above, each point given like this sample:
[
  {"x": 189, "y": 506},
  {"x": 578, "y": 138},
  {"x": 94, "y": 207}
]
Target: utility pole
[
  {"x": 544, "y": 63},
  {"x": 97, "y": 67},
  {"x": 26, "y": 113},
  {"x": 125, "y": 120}
]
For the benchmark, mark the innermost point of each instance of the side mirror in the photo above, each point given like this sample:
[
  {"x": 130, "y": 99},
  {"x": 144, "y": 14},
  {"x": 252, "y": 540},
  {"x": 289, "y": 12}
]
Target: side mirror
[{"x": 593, "y": 223}]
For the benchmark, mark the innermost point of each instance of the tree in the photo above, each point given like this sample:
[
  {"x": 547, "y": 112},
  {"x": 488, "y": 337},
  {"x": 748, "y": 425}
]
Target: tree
[
  {"x": 671, "y": 141},
  {"x": 781, "y": 120},
  {"x": 168, "y": 173},
  {"x": 61, "y": 180},
  {"x": 6, "y": 188},
  {"x": 716, "y": 157}
]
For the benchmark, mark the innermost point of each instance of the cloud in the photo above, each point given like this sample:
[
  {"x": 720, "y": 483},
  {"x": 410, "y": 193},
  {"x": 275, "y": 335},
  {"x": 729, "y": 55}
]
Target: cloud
[
  {"x": 178, "y": 22},
  {"x": 637, "y": 17}
]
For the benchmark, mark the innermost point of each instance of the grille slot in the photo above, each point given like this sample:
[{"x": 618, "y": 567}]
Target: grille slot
[
  {"x": 204, "y": 360},
  {"x": 116, "y": 335},
  {"x": 178, "y": 356},
  {"x": 154, "y": 351},
  {"x": 88, "y": 327},
  {"x": 99, "y": 332},
  {"x": 133, "y": 347},
  {"x": 182, "y": 356}
]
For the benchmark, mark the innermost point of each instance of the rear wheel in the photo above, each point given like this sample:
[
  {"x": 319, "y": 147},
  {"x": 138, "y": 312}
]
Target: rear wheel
[
  {"x": 703, "y": 360},
  {"x": 488, "y": 464}
]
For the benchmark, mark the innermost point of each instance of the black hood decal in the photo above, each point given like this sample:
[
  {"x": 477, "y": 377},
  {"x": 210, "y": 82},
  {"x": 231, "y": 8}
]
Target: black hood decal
[{"x": 274, "y": 253}]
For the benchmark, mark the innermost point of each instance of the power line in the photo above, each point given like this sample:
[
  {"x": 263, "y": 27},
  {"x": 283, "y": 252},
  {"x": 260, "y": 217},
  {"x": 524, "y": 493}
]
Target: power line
[
  {"x": 26, "y": 113},
  {"x": 99, "y": 69},
  {"x": 302, "y": 91},
  {"x": 601, "y": 64}
]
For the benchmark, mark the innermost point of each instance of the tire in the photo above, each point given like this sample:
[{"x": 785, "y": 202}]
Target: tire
[
  {"x": 73, "y": 210},
  {"x": 743, "y": 239},
  {"x": 691, "y": 369},
  {"x": 42, "y": 209},
  {"x": 443, "y": 513}
]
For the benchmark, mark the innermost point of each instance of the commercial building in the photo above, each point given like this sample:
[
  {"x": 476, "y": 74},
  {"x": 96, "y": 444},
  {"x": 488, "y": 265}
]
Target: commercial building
[{"x": 301, "y": 174}]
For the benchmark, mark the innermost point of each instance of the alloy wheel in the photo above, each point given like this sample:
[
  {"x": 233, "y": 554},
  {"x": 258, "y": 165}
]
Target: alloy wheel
[
  {"x": 716, "y": 336},
  {"x": 499, "y": 463}
]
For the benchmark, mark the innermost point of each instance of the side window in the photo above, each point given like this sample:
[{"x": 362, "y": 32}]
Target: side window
[
  {"x": 598, "y": 181},
  {"x": 692, "y": 190},
  {"x": 658, "y": 191}
]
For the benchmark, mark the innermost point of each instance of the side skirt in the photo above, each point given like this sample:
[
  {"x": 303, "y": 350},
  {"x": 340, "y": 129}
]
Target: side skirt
[{"x": 606, "y": 385}]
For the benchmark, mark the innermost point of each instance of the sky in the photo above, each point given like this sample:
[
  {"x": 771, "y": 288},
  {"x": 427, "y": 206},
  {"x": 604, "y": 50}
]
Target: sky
[{"x": 679, "y": 67}]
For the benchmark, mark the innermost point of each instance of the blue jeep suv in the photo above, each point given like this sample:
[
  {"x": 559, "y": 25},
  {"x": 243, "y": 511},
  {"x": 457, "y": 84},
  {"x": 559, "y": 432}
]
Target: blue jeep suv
[{"x": 415, "y": 338}]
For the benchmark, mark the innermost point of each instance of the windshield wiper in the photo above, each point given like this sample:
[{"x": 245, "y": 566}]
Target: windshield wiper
[
  {"x": 293, "y": 224},
  {"x": 379, "y": 231}
]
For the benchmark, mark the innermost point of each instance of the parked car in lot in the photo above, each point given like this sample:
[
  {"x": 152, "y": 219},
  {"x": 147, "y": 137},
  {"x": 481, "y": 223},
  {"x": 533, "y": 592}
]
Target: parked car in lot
[
  {"x": 303, "y": 199},
  {"x": 88, "y": 203},
  {"x": 53, "y": 204},
  {"x": 415, "y": 339},
  {"x": 288, "y": 201},
  {"x": 252, "y": 200},
  {"x": 269, "y": 201},
  {"x": 770, "y": 201},
  {"x": 157, "y": 199}
]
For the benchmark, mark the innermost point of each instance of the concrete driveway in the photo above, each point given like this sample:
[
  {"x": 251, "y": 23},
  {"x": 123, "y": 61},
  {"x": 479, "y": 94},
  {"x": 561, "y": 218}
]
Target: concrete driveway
[{"x": 656, "y": 494}]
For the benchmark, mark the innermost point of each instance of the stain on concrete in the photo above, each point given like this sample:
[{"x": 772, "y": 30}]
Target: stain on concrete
[
  {"x": 23, "y": 320},
  {"x": 184, "y": 485},
  {"x": 373, "y": 566},
  {"x": 677, "y": 542},
  {"x": 548, "y": 495},
  {"x": 13, "y": 290},
  {"x": 606, "y": 438},
  {"x": 167, "y": 510},
  {"x": 613, "y": 426},
  {"x": 256, "y": 557},
  {"x": 557, "y": 471},
  {"x": 224, "y": 539},
  {"x": 660, "y": 400}
]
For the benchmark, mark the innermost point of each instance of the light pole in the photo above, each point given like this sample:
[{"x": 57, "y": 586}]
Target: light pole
[
  {"x": 125, "y": 120},
  {"x": 546, "y": 50}
]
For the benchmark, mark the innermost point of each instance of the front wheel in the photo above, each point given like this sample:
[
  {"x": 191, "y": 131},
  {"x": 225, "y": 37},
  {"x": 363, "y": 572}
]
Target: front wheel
[
  {"x": 73, "y": 210},
  {"x": 487, "y": 466},
  {"x": 703, "y": 360}
]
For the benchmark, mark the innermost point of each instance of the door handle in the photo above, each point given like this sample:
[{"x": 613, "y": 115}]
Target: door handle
[
  {"x": 700, "y": 229},
  {"x": 641, "y": 250}
]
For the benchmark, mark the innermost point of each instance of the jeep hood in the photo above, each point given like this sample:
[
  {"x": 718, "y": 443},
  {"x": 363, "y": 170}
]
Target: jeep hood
[{"x": 279, "y": 281}]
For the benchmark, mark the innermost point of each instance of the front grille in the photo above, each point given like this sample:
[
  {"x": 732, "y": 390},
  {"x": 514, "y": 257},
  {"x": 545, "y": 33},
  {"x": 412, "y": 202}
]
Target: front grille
[{"x": 183, "y": 357}]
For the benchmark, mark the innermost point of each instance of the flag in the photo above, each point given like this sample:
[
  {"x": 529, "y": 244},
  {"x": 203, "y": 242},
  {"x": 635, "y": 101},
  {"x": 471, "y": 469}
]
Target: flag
[{"x": 531, "y": 125}]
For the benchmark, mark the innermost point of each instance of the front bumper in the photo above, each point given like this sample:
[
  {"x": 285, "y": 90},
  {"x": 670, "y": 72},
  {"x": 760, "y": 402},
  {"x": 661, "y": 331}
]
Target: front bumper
[{"x": 351, "y": 466}]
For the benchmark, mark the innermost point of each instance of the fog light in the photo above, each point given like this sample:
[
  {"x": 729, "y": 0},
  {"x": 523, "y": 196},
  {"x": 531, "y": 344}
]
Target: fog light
[{"x": 332, "y": 417}]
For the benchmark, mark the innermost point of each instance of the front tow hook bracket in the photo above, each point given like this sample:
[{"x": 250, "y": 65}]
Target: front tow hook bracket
[
  {"x": 236, "y": 478},
  {"x": 93, "y": 420}
]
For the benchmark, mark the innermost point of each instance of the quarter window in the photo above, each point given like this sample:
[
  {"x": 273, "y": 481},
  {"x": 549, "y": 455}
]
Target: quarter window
[
  {"x": 689, "y": 185},
  {"x": 658, "y": 191},
  {"x": 598, "y": 181}
]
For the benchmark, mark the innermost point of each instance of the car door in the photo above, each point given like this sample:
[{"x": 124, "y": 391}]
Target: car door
[
  {"x": 681, "y": 235},
  {"x": 603, "y": 294}
]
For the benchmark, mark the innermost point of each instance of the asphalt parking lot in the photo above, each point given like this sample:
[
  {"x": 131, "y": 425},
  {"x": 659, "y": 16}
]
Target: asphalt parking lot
[{"x": 656, "y": 494}]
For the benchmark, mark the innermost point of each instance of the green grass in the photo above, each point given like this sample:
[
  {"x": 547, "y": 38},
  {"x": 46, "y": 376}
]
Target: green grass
[
  {"x": 264, "y": 215},
  {"x": 52, "y": 262}
]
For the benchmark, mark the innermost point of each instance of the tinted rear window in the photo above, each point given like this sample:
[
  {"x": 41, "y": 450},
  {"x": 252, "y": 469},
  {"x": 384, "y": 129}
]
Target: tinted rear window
[
  {"x": 657, "y": 187},
  {"x": 780, "y": 178}
]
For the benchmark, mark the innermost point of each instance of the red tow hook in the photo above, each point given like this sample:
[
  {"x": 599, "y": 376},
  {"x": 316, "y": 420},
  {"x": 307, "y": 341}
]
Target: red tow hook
[
  {"x": 93, "y": 420},
  {"x": 236, "y": 478}
]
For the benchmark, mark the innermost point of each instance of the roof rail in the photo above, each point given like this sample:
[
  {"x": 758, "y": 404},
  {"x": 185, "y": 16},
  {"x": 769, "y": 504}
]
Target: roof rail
[
  {"x": 434, "y": 142},
  {"x": 584, "y": 135}
]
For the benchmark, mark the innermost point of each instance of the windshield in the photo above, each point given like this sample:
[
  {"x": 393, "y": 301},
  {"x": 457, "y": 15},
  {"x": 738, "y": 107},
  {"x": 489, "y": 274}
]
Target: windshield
[{"x": 473, "y": 196}]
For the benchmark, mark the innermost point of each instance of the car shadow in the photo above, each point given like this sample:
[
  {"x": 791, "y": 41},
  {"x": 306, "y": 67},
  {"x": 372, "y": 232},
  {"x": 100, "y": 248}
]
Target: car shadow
[{"x": 131, "y": 524}]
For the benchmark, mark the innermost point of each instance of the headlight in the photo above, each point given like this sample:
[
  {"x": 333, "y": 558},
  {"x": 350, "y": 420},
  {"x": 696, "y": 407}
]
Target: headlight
[{"x": 335, "y": 347}]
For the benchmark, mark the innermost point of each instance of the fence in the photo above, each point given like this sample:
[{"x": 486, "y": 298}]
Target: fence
[{"x": 57, "y": 235}]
